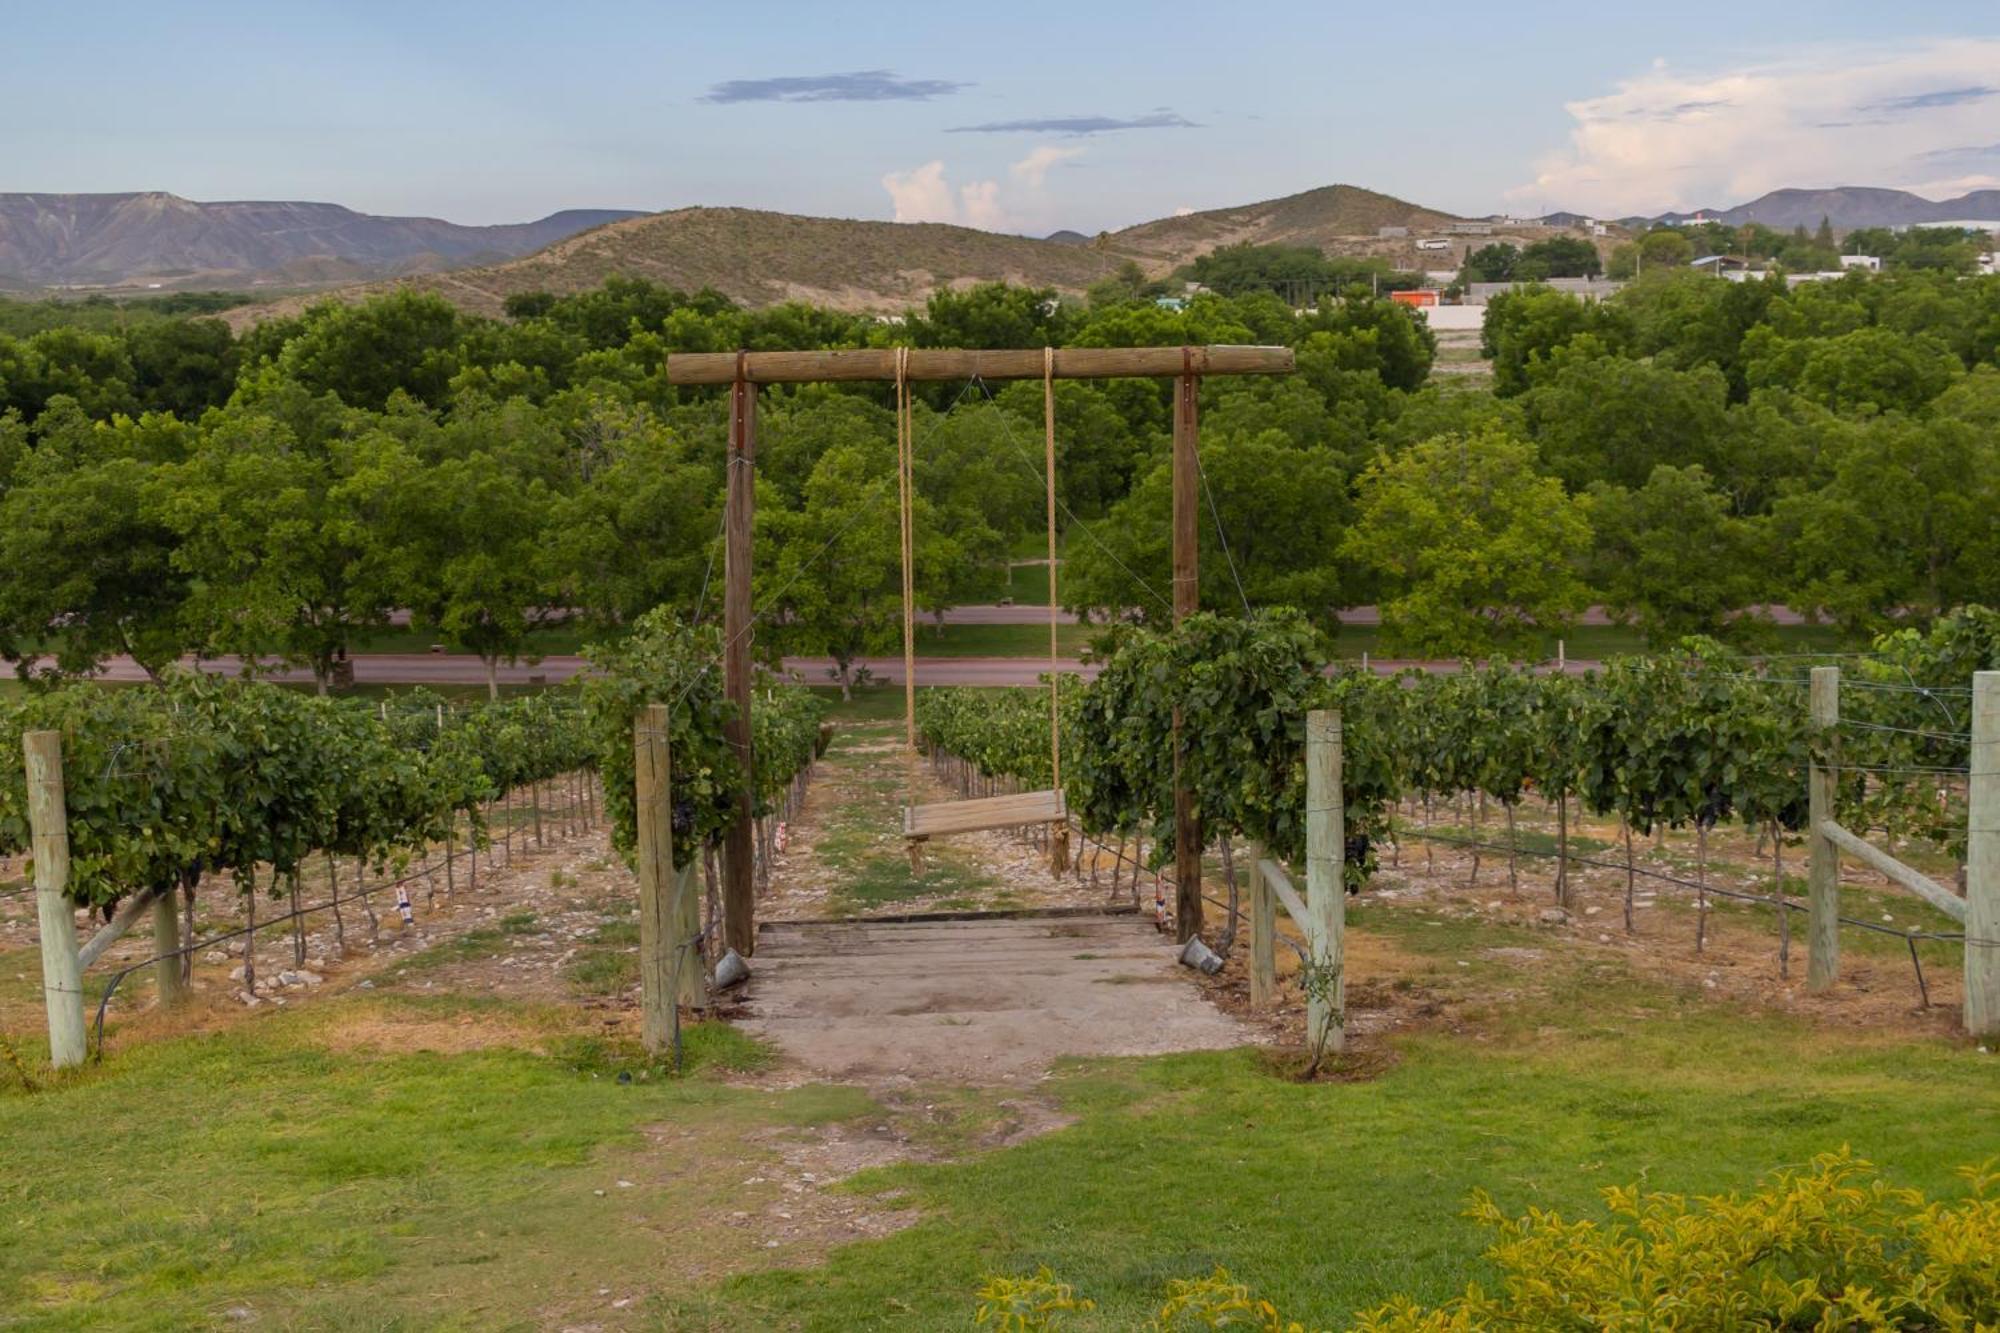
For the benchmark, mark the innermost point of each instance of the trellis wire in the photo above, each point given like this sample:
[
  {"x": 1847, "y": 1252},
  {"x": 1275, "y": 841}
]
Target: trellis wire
[{"x": 424, "y": 871}]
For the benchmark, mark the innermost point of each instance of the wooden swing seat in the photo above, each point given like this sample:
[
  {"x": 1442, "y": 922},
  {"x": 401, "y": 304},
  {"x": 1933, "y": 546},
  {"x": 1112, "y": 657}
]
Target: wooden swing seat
[{"x": 985, "y": 812}]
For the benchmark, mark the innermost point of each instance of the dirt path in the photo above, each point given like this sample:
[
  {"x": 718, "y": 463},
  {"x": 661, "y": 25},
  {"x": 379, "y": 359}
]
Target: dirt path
[{"x": 849, "y": 995}]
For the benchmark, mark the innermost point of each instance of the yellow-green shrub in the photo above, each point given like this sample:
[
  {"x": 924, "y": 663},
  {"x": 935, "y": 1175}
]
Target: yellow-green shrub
[
  {"x": 1027, "y": 1304},
  {"x": 1829, "y": 1247}
]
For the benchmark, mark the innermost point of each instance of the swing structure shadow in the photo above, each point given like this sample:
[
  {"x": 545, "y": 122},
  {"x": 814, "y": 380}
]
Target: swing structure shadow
[{"x": 743, "y": 372}]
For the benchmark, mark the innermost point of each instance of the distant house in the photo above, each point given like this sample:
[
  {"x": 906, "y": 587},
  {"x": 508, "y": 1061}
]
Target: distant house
[
  {"x": 1174, "y": 303},
  {"x": 1872, "y": 263},
  {"x": 1733, "y": 267},
  {"x": 1587, "y": 289},
  {"x": 1989, "y": 263},
  {"x": 1469, "y": 228},
  {"x": 1387, "y": 232}
]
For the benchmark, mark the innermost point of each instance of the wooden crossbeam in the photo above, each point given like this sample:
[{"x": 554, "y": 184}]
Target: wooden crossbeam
[
  {"x": 986, "y": 812},
  {"x": 927, "y": 363}
]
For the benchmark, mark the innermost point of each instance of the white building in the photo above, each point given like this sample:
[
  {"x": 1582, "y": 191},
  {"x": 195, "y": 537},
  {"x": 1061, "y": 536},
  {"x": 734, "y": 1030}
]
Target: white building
[{"x": 1872, "y": 263}]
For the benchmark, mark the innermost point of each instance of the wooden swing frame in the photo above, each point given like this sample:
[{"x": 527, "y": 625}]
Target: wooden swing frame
[{"x": 743, "y": 372}]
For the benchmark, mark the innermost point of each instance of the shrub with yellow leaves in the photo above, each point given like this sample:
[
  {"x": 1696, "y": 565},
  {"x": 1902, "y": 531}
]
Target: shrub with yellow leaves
[
  {"x": 1829, "y": 1247},
  {"x": 1030, "y": 1304}
]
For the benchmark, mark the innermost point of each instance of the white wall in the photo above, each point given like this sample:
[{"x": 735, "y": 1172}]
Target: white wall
[{"x": 1455, "y": 316}]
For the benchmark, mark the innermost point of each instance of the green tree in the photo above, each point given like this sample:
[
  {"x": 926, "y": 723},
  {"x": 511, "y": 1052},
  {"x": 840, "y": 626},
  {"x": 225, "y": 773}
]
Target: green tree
[
  {"x": 480, "y": 533},
  {"x": 1664, "y": 247},
  {"x": 89, "y": 563},
  {"x": 1558, "y": 257},
  {"x": 1281, "y": 511},
  {"x": 1490, "y": 263},
  {"x": 1477, "y": 552},
  {"x": 643, "y": 527},
  {"x": 290, "y": 551},
  {"x": 365, "y": 352},
  {"x": 1606, "y": 418},
  {"x": 1671, "y": 559},
  {"x": 992, "y": 314},
  {"x": 1903, "y": 530},
  {"x": 184, "y": 366},
  {"x": 1523, "y": 327},
  {"x": 828, "y": 574},
  {"x": 1867, "y": 371}
]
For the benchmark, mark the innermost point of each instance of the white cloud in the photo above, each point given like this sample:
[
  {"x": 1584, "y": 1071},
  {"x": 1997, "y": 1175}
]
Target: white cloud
[
  {"x": 981, "y": 206},
  {"x": 922, "y": 194},
  {"x": 1913, "y": 116},
  {"x": 1033, "y": 169}
]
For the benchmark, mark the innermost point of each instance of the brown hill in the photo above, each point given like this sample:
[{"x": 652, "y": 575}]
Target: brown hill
[
  {"x": 761, "y": 258},
  {"x": 1319, "y": 218}
]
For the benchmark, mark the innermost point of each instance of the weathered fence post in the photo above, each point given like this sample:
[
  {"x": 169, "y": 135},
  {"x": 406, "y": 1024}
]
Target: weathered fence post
[
  {"x": 669, "y": 911},
  {"x": 1982, "y": 861},
  {"x": 1263, "y": 933},
  {"x": 62, "y": 975},
  {"x": 1823, "y": 869},
  {"x": 654, "y": 814},
  {"x": 1326, "y": 896}
]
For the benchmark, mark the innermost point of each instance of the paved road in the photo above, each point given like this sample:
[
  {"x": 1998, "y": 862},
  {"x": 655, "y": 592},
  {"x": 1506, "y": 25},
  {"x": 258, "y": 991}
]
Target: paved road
[{"x": 444, "y": 669}]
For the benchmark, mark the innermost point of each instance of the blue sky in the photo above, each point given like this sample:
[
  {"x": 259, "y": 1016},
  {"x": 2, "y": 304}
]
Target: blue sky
[{"x": 503, "y": 111}]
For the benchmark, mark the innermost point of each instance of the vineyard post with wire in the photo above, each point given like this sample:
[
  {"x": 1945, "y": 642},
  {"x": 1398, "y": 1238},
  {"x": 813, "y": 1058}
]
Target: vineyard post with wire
[
  {"x": 1326, "y": 888},
  {"x": 1823, "y": 869},
  {"x": 1263, "y": 933},
  {"x": 1982, "y": 861},
  {"x": 62, "y": 973},
  {"x": 654, "y": 817}
]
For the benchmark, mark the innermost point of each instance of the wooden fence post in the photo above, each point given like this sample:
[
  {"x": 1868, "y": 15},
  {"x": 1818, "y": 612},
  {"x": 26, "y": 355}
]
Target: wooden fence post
[
  {"x": 1982, "y": 861},
  {"x": 62, "y": 975},
  {"x": 1823, "y": 869},
  {"x": 1263, "y": 933},
  {"x": 654, "y": 814},
  {"x": 1326, "y": 893}
]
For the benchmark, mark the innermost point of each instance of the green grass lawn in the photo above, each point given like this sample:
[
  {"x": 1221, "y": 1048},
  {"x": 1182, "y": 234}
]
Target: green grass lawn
[
  {"x": 1332, "y": 1197},
  {"x": 1028, "y": 585},
  {"x": 339, "y": 1167}
]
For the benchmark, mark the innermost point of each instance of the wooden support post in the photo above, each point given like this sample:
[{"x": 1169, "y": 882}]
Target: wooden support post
[
  {"x": 738, "y": 885},
  {"x": 1263, "y": 933},
  {"x": 1187, "y": 600},
  {"x": 62, "y": 974},
  {"x": 1982, "y": 861},
  {"x": 653, "y": 811},
  {"x": 1326, "y": 893},
  {"x": 167, "y": 976},
  {"x": 1823, "y": 869}
]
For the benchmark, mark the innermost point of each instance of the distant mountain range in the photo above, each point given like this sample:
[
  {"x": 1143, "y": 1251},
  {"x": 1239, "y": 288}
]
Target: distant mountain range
[
  {"x": 1848, "y": 207},
  {"x": 144, "y": 238}
]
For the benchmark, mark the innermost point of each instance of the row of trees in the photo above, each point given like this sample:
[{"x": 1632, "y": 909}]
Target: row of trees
[{"x": 1679, "y": 454}]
